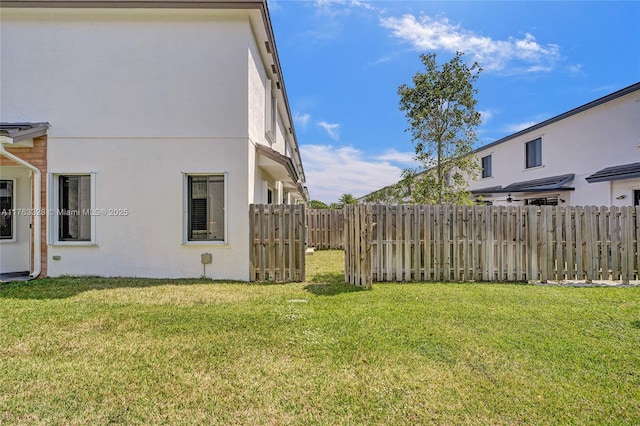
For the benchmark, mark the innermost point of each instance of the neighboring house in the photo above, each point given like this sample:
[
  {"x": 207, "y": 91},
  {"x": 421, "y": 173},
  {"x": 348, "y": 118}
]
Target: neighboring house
[
  {"x": 587, "y": 156},
  {"x": 135, "y": 135}
]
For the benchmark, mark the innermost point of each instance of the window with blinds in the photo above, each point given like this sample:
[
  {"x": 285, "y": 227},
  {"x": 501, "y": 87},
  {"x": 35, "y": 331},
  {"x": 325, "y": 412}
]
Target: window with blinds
[
  {"x": 206, "y": 208},
  {"x": 74, "y": 208}
]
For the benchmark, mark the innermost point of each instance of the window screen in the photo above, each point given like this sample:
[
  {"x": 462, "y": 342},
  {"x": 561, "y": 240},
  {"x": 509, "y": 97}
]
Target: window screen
[{"x": 206, "y": 208}]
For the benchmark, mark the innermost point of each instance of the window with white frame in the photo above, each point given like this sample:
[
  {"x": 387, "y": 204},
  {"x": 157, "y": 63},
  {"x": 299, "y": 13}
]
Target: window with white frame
[
  {"x": 74, "y": 206},
  {"x": 206, "y": 213},
  {"x": 7, "y": 199},
  {"x": 533, "y": 153},
  {"x": 486, "y": 166}
]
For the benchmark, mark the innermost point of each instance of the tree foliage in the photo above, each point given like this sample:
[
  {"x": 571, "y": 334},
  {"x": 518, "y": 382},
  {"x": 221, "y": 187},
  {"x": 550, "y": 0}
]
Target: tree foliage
[
  {"x": 440, "y": 108},
  {"x": 386, "y": 195},
  {"x": 347, "y": 199},
  {"x": 344, "y": 199},
  {"x": 316, "y": 204}
]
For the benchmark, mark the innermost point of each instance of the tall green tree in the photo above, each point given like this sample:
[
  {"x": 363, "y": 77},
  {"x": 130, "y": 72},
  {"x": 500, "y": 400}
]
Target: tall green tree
[
  {"x": 440, "y": 108},
  {"x": 347, "y": 199}
]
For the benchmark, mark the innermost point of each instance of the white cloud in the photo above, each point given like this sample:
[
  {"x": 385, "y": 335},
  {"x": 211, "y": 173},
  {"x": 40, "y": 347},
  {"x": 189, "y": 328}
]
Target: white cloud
[
  {"x": 333, "y": 171},
  {"x": 526, "y": 54},
  {"x": 575, "y": 69},
  {"x": 606, "y": 89},
  {"x": 341, "y": 7},
  {"x": 301, "y": 119},
  {"x": 331, "y": 129},
  {"x": 486, "y": 115},
  {"x": 380, "y": 60},
  {"x": 516, "y": 127},
  {"x": 362, "y": 4},
  {"x": 393, "y": 156}
]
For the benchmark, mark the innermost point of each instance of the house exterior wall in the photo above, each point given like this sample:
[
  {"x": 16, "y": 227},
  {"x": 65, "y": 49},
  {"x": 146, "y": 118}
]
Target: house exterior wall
[
  {"x": 264, "y": 84},
  {"x": 602, "y": 136},
  {"x": 126, "y": 72},
  {"x": 148, "y": 239},
  {"x": 15, "y": 255},
  {"x": 257, "y": 93},
  {"x": 139, "y": 98}
]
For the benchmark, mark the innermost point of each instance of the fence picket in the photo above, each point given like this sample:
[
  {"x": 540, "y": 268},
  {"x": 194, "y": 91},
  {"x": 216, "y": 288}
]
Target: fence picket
[
  {"x": 441, "y": 243},
  {"x": 277, "y": 243}
]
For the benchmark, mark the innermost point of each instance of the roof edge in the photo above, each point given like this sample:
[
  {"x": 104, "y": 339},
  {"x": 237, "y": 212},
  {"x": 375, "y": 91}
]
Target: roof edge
[
  {"x": 283, "y": 160},
  {"x": 521, "y": 191},
  {"x": 603, "y": 100},
  {"x": 23, "y": 131},
  {"x": 612, "y": 178},
  {"x": 134, "y": 4}
]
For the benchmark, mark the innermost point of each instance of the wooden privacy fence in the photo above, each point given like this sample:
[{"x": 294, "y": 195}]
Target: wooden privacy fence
[
  {"x": 325, "y": 229},
  {"x": 277, "y": 235},
  {"x": 358, "y": 225},
  {"x": 487, "y": 243}
]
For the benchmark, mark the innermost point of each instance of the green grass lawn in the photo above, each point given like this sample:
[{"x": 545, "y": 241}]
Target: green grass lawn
[{"x": 138, "y": 351}]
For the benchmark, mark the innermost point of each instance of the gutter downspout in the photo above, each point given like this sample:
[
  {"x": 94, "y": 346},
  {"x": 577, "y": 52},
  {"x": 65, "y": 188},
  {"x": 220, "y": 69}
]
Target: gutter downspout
[{"x": 37, "y": 200}]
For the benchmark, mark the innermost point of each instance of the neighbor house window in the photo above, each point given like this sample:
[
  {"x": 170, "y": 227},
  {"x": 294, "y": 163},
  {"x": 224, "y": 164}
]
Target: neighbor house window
[
  {"x": 6, "y": 209},
  {"x": 206, "y": 208},
  {"x": 486, "y": 166},
  {"x": 74, "y": 208},
  {"x": 533, "y": 153}
]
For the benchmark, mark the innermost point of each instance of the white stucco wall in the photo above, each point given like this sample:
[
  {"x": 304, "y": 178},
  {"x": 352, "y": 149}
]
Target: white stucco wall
[
  {"x": 603, "y": 136},
  {"x": 138, "y": 97},
  {"x": 623, "y": 188},
  {"x": 146, "y": 177},
  {"x": 126, "y": 73},
  {"x": 256, "y": 96}
]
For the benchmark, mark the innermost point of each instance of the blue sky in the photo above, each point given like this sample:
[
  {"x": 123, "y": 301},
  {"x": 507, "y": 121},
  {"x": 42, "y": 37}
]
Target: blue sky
[{"x": 343, "y": 61}]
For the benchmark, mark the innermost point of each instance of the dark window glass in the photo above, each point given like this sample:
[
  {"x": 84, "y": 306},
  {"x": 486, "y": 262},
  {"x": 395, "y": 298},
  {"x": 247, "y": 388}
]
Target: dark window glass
[
  {"x": 74, "y": 210},
  {"x": 533, "y": 153},
  {"x": 486, "y": 166},
  {"x": 206, "y": 208}
]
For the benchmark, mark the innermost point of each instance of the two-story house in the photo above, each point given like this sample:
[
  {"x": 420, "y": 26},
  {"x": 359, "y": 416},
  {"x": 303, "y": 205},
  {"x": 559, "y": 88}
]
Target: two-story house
[
  {"x": 135, "y": 134},
  {"x": 589, "y": 155}
]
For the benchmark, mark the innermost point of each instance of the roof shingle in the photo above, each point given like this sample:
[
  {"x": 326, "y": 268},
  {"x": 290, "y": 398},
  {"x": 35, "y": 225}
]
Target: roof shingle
[{"x": 624, "y": 171}]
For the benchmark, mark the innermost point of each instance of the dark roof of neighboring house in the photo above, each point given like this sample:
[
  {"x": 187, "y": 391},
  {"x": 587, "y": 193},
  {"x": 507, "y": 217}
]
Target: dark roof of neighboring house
[
  {"x": 610, "y": 97},
  {"x": 21, "y": 131},
  {"x": 625, "y": 171},
  {"x": 553, "y": 183}
]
